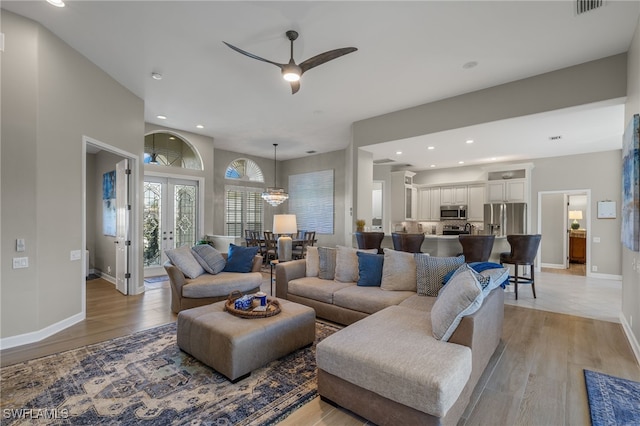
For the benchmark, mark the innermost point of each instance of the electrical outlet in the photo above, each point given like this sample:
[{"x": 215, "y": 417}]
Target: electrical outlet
[
  {"x": 594, "y": 268},
  {"x": 20, "y": 262},
  {"x": 108, "y": 269},
  {"x": 20, "y": 244}
]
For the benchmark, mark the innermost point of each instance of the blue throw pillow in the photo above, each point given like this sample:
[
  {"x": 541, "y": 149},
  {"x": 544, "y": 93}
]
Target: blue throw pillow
[
  {"x": 370, "y": 269},
  {"x": 479, "y": 267},
  {"x": 240, "y": 259}
]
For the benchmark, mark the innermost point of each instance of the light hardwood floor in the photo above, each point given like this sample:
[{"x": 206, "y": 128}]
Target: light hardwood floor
[{"x": 535, "y": 377}]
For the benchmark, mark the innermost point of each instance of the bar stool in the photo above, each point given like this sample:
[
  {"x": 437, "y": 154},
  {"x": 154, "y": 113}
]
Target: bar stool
[
  {"x": 411, "y": 243},
  {"x": 523, "y": 252},
  {"x": 370, "y": 240},
  {"x": 476, "y": 248}
]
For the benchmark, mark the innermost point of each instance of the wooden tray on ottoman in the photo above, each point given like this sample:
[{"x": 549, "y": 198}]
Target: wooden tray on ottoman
[{"x": 273, "y": 308}]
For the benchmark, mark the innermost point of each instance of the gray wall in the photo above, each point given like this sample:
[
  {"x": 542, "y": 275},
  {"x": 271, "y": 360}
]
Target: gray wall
[
  {"x": 631, "y": 259},
  {"x": 51, "y": 97},
  {"x": 553, "y": 229}
]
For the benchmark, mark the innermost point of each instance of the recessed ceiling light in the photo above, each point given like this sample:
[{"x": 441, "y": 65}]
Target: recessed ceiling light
[
  {"x": 493, "y": 158},
  {"x": 56, "y": 3},
  {"x": 161, "y": 117},
  {"x": 156, "y": 76},
  {"x": 431, "y": 147},
  {"x": 433, "y": 165},
  {"x": 469, "y": 65},
  {"x": 460, "y": 162},
  {"x": 200, "y": 126},
  {"x": 172, "y": 138},
  {"x": 469, "y": 141},
  {"x": 398, "y": 152}
]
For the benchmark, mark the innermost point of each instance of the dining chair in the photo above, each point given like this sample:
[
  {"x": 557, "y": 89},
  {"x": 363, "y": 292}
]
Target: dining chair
[
  {"x": 476, "y": 248},
  {"x": 248, "y": 237},
  {"x": 270, "y": 246},
  {"x": 256, "y": 242},
  {"x": 370, "y": 240},
  {"x": 300, "y": 250},
  {"x": 524, "y": 249}
]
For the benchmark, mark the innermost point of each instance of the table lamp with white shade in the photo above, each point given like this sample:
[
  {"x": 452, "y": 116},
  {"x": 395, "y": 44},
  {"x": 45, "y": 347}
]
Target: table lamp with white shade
[
  {"x": 285, "y": 225},
  {"x": 575, "y": 215}
]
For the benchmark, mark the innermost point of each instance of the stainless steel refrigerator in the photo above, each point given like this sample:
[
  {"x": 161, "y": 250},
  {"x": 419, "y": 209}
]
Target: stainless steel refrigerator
[{"x": 503, "y": 219}]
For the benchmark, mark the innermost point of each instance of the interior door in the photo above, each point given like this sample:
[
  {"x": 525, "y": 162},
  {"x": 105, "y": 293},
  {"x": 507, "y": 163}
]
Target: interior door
[
  {"x": 123, "y": 240},
  {"x": 170, "y": 219}
]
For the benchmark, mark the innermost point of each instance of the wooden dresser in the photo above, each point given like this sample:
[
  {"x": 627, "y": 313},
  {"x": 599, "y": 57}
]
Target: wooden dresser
[{"x": 578, "y": 246}]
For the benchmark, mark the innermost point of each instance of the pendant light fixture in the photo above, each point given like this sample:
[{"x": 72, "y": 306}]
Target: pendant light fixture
[
  {"x": 274, "y": 195},
  {"x": 154, "y": 154}
]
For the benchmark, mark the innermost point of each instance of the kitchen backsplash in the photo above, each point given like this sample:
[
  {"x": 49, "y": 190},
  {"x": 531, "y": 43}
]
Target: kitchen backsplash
[{"x": 415, "y": 227}]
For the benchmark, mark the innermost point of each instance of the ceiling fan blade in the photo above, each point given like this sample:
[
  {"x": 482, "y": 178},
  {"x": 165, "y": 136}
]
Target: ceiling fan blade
[
  {"x": 325, "y": 57},
  {"x": 295, "y": 86},
  {"x": 251, "y": 55}
]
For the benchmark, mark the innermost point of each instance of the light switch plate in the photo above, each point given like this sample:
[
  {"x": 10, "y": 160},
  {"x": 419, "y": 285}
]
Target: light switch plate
[
  {"x": 20, "y": 244},
  {"x": 20, "y": 262},
  {"x": 75, "y": 255},
  {"x": 596, "y": 239}
]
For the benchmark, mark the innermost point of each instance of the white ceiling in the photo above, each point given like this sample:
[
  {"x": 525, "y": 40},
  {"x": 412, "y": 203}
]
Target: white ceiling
[{"x": 409, "y": 53}]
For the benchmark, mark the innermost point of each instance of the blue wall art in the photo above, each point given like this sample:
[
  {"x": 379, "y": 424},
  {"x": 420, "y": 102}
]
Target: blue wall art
[
  {"x": 631, "y": 185},
  {"x": 109, "y": 203}
]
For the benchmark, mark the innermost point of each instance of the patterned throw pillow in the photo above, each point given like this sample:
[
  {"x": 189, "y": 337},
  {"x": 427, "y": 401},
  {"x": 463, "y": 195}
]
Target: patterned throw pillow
[
  {"x": 430, "y": 271},
  {"x": 461, "y": 296},
  {"x": 313, "y": 261},
  {"x": 327, "y": 269},
  {"x": 183, "y": 259},
  {"x": 484, "y": 281},
  {"x": 240, "y": 258},
  {"x": 210, "y": 258},
  {"x": 398, "y": 271}
]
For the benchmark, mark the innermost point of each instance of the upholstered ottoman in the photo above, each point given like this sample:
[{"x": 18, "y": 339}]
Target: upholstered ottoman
[{"x": 236, "y": 346}]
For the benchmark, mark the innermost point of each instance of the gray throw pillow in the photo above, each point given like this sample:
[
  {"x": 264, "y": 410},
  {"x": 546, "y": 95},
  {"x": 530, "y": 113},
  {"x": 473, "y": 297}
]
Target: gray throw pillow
[
  {"x": 461, "y": 296},
  {"x": 398, "y": 271},
  {"x": 347, "y": 270},
  {"x": 327, "y": 268},
  {"x": 312, "y": 262},
  {"x": 183, "y": 259},
  {"x": 209, "y": 258},
  {"x": 430, "y": 271}
]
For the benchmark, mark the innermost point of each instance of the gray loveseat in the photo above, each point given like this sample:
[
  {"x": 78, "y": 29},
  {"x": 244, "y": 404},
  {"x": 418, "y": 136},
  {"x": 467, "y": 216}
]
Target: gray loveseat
[
  {"x": 209, "y": 288},
  {"x": 387, "y": 366}
]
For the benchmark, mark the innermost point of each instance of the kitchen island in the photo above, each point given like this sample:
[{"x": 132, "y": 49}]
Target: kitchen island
[{"x": 449, "y": 245}]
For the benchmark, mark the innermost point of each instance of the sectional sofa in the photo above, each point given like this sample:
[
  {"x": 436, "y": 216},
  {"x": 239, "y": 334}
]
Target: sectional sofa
[{"x": 397, "y": 362}]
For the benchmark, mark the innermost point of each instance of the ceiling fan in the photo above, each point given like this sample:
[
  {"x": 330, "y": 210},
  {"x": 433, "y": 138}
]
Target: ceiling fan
[{"x": 291, "y": 71}]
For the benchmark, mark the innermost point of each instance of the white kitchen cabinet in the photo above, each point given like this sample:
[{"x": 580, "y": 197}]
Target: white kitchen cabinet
[
  {"x": 452, "y": 195},
  {"x": 429, "y": 203},
  {"x": 507, "y": 191},
  {"x": 475, "y": 207},
  {"x": 404, "y": 203}
]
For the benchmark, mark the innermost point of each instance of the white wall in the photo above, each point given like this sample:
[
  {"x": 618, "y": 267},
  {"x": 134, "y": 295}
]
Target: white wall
[{"x": 51, "y": 96}]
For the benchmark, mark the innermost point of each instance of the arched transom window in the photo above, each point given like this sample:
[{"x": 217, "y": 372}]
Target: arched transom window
[
  {"x": 244, "y": 169},
  {"x": 165, "y": 149}
]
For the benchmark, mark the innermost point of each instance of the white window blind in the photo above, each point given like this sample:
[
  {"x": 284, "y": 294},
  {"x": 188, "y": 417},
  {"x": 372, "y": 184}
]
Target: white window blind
[{"x": 311, "y": 200}]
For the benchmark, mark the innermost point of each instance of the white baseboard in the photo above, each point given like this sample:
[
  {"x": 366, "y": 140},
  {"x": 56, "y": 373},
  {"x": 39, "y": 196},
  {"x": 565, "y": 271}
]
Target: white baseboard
[
  {"x": 107, "y": 277},
  {"x": 552, "y": 265},
  {"x": 36, "y": 336},
  {"x": 635, "y": 346},
  {"x": 605, "y": 276}
]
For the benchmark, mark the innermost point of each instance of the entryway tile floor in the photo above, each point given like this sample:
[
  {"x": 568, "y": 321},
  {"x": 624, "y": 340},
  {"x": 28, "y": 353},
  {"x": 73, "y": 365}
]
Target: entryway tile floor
[{"x": 571, "y": 294}]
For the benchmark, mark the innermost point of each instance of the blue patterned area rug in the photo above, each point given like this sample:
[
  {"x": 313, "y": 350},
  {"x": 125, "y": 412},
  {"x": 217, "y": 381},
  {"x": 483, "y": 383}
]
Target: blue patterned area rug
[
  {"x": 612, "y": 401},
  {"x": 146, "y": 379}
]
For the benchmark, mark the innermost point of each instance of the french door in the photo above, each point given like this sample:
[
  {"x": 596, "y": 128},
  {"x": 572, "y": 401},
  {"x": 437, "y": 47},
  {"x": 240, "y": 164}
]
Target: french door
[{"x": 170, "y": 219}]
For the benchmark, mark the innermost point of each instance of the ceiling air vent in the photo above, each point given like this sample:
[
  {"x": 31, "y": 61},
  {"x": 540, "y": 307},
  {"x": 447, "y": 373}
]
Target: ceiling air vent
[
  {"x": 384, "y": 161},
  {"x": 583, "y": 6}
]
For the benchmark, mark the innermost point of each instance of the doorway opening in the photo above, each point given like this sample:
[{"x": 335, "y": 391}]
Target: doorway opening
[
  {"x": 564, "y": 220},
  {"x": 101, "y": 237}
]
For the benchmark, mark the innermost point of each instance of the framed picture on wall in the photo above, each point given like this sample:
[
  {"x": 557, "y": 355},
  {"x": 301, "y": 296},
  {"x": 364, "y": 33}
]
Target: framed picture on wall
[{"x": 606, "y": 209}]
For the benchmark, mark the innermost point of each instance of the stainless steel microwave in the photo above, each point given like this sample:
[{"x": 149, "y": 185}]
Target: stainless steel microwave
[{"x": 453, "y": 212}]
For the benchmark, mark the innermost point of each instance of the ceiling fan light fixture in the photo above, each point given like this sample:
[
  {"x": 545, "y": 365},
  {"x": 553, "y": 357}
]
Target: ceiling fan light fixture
[{"x": 291, "y": 72}]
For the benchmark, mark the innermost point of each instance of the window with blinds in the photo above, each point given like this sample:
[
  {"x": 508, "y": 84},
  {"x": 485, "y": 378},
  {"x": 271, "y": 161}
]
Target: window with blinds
[
  {"x": 243, "y": 211},
  {"x": 311, "y": 199}
]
